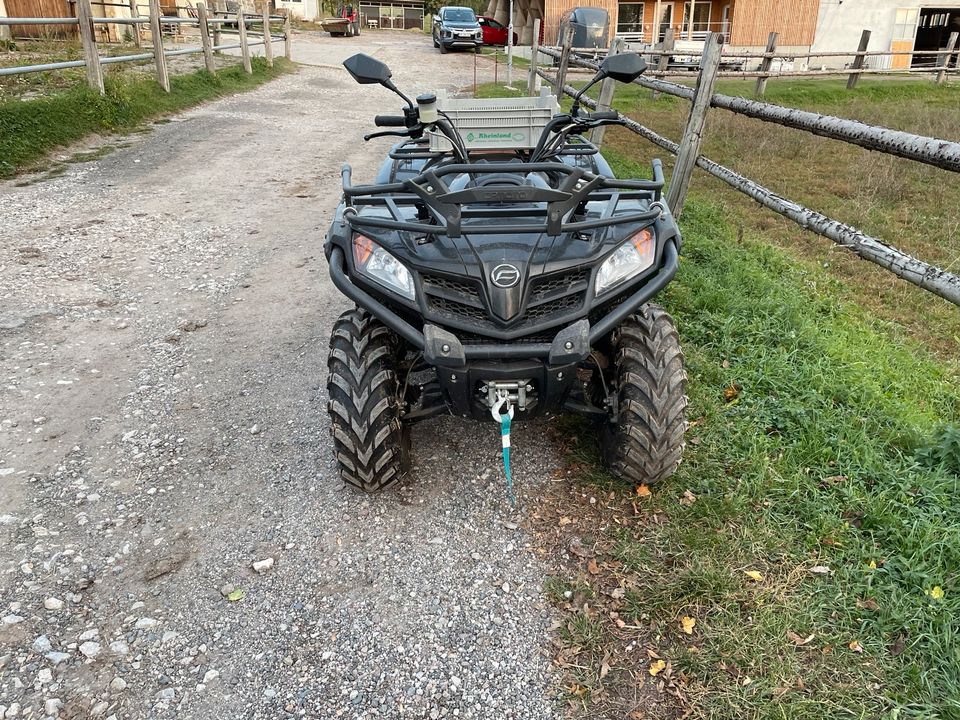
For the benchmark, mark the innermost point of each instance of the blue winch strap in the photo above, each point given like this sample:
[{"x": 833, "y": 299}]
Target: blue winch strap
[{"x": 505, "y": 437}]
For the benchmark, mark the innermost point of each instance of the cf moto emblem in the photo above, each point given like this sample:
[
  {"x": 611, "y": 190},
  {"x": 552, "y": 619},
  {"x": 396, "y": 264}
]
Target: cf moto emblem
[{"x": 505, "y": 276}]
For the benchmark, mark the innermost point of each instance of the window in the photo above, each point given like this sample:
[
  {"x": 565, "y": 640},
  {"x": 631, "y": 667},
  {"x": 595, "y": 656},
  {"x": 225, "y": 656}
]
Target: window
[
  {"x": 463, "y": 15},
  {"x": 701, "y": 17},
  {"x": 630, "y": 17},
  {"x": 905, "y": 26}
]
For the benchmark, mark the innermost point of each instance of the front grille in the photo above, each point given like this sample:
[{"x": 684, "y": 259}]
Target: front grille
[
  {"x": 558, "y": 306},
  {"x": 467, "y": 288},
  {"x": 455, "y": 309},
  {"x": 551, "y": 297},
  {"x": 559, "y": 283}
]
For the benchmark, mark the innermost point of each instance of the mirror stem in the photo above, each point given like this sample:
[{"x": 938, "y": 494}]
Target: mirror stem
[{"x": 390, "y": 86}]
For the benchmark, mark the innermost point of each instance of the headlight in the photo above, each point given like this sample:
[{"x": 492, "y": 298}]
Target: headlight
[
  {"x": 631, "y": 258},
  {"x": 478, "y": 34},
  {"x": 375, "y": 262}
]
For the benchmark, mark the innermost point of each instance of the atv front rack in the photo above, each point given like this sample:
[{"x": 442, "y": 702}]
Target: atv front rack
[{"x": 441, "y": 212}]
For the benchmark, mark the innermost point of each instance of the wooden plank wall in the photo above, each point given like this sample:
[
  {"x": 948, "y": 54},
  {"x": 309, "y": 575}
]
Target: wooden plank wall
[
  {"x": 40, "y": 8},
  {"x": 754, "y": 20}
]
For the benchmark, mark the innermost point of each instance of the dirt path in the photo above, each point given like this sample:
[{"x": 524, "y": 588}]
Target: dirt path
[{"x": 163, "y": 333}]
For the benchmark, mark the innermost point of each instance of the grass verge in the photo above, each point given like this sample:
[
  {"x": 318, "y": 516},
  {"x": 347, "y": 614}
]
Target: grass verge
[
  {"x": 810, "y": 535},
  {"x": 31, "y": 129},
  {"x": 803, "y": 563}
]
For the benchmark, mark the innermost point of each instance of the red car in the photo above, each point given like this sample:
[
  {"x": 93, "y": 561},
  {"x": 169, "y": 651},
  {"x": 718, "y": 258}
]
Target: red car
[{"x": 494, "y": 33}]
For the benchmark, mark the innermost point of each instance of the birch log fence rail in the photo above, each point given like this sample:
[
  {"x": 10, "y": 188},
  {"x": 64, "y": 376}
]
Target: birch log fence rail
[
  {"x": 210, "y": 28},
  {"x": 937, "y": 152}
]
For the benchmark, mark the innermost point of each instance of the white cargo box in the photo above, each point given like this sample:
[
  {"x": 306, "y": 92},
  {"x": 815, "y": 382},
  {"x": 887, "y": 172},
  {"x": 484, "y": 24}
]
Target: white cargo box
[{"x": 496, "y": 123}]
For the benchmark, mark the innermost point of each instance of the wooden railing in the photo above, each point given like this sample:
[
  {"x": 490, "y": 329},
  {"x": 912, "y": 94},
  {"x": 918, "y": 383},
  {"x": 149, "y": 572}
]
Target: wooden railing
[
  {"x": 211, "y": 31},
  {"x": 932, "y": 151}
]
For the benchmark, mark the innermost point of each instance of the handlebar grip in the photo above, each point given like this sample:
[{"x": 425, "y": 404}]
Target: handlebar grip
[
  {"x": 605, "y": 115},
  {"x": 390, "y": 121}
]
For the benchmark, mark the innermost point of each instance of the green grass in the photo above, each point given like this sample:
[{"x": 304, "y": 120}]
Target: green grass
[
  {"x": 841, "y": 447},
  {"x": 30, "y": 129},
  {"x": 815, "y": 462}
]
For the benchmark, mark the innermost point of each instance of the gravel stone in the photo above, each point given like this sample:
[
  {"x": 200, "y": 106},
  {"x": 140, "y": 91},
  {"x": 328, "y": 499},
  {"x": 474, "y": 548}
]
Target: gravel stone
[{"x": 177, "y": 297}]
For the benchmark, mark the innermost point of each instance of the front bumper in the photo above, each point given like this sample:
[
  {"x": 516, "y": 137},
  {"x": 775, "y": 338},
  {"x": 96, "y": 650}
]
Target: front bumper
[
  {"x": 469, "y": 42},
  {"x": 571, "y": 344}
]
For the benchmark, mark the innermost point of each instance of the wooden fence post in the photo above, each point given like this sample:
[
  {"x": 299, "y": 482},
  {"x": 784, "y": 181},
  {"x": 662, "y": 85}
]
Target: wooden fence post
[
  {"x": 244, "y": 48},
  {"x": 944, "y": 60},
  {"x": 205, "y": 38},
  {"x": 534, "y": 59},
  {"x": 135, "y": 13},
  {"x": 666, "y": 47},
  {"x": 287, "y": 36},
  {"x": 565, "y": 47},
  {"x": 693, "y": 134},
  {"x": 159, "y": 59},
  {"x": 89, "y": 40},
  {"x": 605, "y": 99},
  {"x": 217, "y": 38},
  {"x": 766, "y": 63},
  {"x": 852, "y": 78},
  {"x": 267, "y": 35}
]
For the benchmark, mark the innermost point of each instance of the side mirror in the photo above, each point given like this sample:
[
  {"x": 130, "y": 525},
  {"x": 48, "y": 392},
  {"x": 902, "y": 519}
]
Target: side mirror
[
  {"x": 623, "y": 67},
  {"x": 367, "y": 70}
]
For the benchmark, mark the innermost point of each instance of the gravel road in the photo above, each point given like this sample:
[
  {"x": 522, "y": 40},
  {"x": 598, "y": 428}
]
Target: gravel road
[{"x": 164, "y": 316}]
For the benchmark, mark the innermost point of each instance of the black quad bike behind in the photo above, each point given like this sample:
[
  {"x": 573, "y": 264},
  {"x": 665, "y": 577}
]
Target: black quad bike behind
[{"x": 511, "y": 278}]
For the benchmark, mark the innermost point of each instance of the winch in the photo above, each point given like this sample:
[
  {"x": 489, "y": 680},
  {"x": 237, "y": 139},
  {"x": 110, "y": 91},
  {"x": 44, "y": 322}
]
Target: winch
[{"x": 515, "y": 390}]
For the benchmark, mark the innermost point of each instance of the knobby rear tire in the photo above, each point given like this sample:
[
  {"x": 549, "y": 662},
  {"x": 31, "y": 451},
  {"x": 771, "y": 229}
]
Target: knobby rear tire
[
  {"x": 644, "y": 444},
  {"x": 371, "y": 444}
]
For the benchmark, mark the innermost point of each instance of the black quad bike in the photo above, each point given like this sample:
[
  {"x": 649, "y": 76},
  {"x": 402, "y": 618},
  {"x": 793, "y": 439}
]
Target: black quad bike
[{"x": 493, "y": 280}]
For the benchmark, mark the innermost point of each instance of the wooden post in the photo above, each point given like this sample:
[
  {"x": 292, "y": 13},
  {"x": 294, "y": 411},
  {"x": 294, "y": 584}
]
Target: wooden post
[
  {"x": 606, "y": 92},
  {"x": 287, "y": 37},
  {"x": 533, "y": 79},
  {"x": 135, "y": 13},
  {"x": 90, "y": 55},
  {"x": 217, "y": 39},
  {"x": 244, "y": 48},
  {"x": 655, "y": 36},
  {"x": 267, "y": 36},
  {"x": 858, "y": 61},
  {"x": 693, "y": 134},
  {"x": 205, "y": 38},
  {"x": 766, "y": 63},
  {"x": 944, "y": 60},
  {"x": 564, "y": 61},
  {"x": 666, "y": 48},
  {"x": 159, "y": 59},
  {"x": 693, "y": 4}
]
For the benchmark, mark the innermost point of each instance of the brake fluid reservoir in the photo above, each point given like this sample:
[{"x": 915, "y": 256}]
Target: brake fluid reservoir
[{"x": 427, "y": 104}]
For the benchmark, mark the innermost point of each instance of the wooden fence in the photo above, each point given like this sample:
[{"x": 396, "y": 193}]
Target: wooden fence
[
  {"x": 664, "y": 61},
  {"x": 211, "y": 31},
  {"x": 939, "y": 153}
]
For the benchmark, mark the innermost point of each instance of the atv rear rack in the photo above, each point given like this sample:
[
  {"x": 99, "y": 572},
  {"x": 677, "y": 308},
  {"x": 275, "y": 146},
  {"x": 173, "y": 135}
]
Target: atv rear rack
[{"x": 433, "y": 197}]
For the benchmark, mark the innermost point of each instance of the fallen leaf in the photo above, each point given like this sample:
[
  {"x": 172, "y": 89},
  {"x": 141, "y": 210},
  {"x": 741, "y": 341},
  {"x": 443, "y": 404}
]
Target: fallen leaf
[
  {"x": 730, "y": 393},
  {"x": 899, "y": 645},
  {"x": 237, "y": 594},
  {"x": 592, "y": 566},
  {"x": 936, "y": 592},
  {"x": 688, "y": 498},
  {"x": 855, "y": 646},
  {"x": 797, "y": 640},
  {"x": 820, "y": 570},
  {"x": 643, "y": 491},
  {"x": 605, "y": 666},
  {"x": 687, "y": 624},
  {"x": 754, "y": 575},
  {"x": 656, "y": 667},
  {"x": 868, "y": 604},
  {"x": 725, "y": 364}
]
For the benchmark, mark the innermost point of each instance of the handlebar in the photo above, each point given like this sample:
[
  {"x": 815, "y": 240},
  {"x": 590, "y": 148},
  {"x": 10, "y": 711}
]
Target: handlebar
[
  {"x": 604, "y": 115},
  {"x": 390, "y": 121}
]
